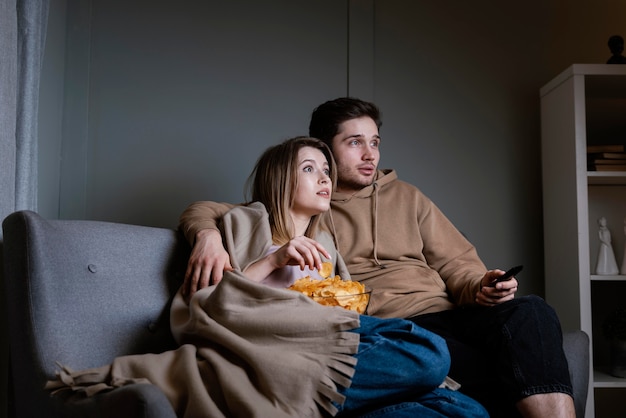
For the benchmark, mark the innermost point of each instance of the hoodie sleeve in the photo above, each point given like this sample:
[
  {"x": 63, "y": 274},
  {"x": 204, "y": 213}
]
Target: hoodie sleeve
[
  {"x": 202, "y": 215},
  {"x": 449, "y": 253}
]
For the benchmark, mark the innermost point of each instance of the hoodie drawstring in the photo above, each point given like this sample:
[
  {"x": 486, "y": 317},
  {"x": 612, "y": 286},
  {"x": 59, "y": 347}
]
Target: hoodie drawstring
[{"x": 375, "y": 225}]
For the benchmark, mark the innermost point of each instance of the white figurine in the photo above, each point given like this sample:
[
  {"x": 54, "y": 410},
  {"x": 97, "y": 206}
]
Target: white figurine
[
  {"x": 606, "y": 258},
  {"x": 623, "y": 269}
]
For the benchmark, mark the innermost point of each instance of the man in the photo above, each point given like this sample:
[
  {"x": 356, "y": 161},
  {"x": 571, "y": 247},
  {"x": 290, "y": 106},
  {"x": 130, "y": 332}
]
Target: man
[{"x": 506, "y": 351}]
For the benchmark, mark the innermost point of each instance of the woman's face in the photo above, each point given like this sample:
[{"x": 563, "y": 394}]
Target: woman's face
[{"x": 312, "y": 196}]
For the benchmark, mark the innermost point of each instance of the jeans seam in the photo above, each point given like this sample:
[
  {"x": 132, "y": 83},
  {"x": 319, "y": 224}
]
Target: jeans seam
[{"x": 517, "y": 372}]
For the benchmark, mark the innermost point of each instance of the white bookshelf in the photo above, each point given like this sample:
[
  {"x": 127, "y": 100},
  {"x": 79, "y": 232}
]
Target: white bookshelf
[{"x": 584, "y": 105}]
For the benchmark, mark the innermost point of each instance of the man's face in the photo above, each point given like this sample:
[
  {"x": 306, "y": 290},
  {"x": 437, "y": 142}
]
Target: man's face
[{"x": 356, "y": 151}]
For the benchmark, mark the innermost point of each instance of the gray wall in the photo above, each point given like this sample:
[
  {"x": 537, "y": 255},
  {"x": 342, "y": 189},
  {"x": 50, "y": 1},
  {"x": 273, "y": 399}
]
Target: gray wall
[{"x": 148, "y": 106}]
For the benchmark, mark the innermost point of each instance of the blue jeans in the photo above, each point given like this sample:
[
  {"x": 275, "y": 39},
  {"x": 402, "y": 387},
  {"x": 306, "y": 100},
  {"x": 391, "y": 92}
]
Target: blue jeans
[
  {"x": 439, "y": 403},
  {"x": 399, "y": 369},
  {"x": 503, "y": 353}
]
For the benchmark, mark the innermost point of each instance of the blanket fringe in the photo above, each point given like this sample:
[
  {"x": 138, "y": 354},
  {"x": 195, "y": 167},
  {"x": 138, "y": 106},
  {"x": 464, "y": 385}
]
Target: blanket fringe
[{"x": 87, "y": 382}]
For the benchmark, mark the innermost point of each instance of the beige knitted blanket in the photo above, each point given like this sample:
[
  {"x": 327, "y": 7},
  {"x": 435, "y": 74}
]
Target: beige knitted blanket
[{"x": 246, "y": 350}]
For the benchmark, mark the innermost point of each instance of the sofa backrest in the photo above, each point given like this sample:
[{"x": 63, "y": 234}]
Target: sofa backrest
[{"x": 84, "y": 292}]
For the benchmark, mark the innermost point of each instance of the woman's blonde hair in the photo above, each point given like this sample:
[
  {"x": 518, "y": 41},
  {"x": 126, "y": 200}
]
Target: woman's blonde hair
[{"x": 274, "y": 181}]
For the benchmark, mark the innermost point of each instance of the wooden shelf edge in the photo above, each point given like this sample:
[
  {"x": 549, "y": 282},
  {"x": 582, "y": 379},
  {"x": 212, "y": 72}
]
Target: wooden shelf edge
[
  {"x": 602, "y": 379},
  {"x": 606, "y": 178},
  {"x": 582, "y": 69},
  {"x": 601, "y": 278}
]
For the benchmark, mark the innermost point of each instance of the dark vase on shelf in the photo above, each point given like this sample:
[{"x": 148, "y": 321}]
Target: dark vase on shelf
[
  {"x": 618, "y": 358},
  {"x": 614, "y": 329}
]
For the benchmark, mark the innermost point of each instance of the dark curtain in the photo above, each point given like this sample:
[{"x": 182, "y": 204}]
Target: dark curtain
[{"x": 22, "y": 37}]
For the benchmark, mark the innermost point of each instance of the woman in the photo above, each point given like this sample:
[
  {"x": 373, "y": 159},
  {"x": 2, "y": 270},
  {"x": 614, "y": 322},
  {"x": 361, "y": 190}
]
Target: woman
[{"x": 278, "y": 239}]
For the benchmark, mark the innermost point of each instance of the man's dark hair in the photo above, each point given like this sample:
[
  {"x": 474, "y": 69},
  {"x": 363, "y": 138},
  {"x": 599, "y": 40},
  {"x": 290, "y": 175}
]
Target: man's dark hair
[{"x": 327, "y": 117}]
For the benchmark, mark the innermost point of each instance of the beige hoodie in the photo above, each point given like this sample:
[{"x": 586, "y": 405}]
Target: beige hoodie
[
  {"x": 398, "y": 243},
  {"x": 394, "y": 240}
]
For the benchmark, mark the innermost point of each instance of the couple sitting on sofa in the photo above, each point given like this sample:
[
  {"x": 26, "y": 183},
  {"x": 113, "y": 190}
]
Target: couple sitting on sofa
[
  {"x": 433, "y": 277},
  {"x": 419, "y": 266}
]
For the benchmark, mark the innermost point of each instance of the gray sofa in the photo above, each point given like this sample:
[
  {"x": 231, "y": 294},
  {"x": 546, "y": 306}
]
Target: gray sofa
[{"x": 83, "y": 292}]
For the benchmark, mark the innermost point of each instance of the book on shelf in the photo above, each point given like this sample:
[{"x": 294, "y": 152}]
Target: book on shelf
[
  {"x": 594, "y": 149},
  {"x": 609, "y": 167},
  {"x": 599, "y": 161},
  {"x": 607, "y": 156}
]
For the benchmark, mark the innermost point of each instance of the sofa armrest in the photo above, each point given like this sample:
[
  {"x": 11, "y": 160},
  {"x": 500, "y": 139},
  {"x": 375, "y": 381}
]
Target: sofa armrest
[
  {"x": 81, "y": 293},
  {"x": 576, "y": 348}
]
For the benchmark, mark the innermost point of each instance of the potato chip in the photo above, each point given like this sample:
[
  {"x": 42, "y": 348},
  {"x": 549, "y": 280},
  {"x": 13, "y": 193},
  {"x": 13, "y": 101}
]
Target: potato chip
[
  {"x": 332, "y": 291},
  {"x": 327, "y": 268}
]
